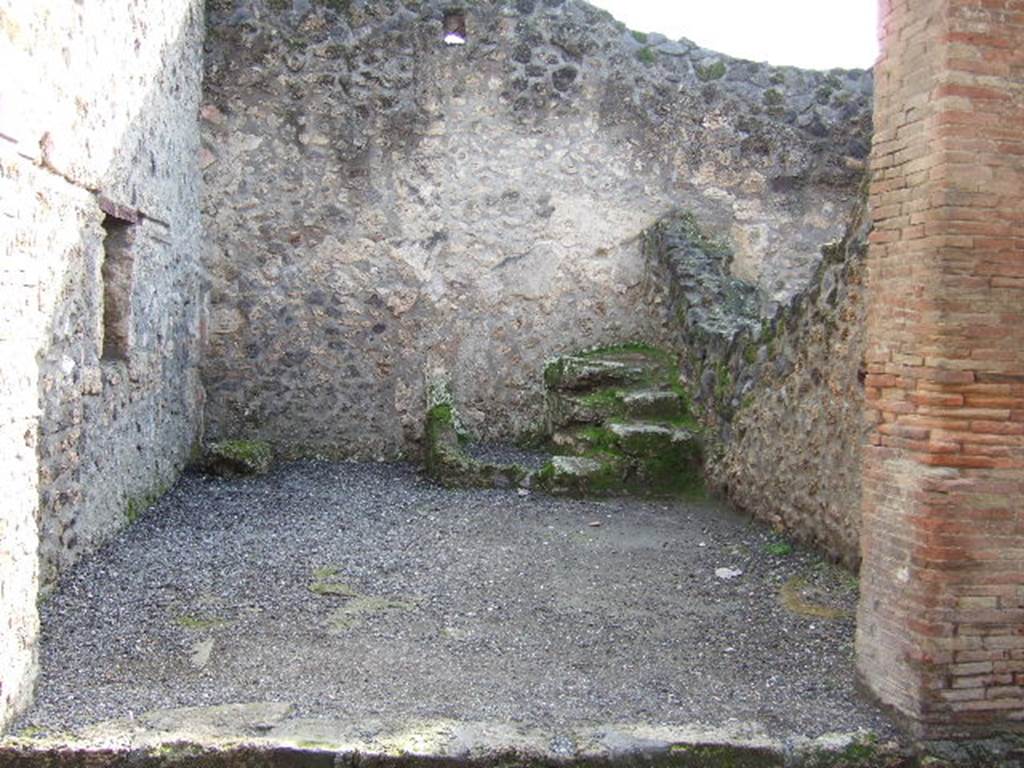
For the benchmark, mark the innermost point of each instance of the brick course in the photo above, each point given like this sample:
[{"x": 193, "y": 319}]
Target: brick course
[{"x": 941, "y": 621}]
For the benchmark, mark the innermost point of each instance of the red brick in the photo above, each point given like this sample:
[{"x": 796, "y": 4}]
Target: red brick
[{"x": 944, "y": 476}]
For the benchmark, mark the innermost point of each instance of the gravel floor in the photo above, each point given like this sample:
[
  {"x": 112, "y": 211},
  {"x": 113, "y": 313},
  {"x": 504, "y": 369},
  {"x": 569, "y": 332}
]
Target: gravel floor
[{"x": 362, "y": 591}]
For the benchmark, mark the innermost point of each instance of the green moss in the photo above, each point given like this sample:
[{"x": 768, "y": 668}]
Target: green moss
[
  {"x": 199, "y": 623},
  {"x": 133, "y": 510},
  {"x": 684, "y": 395},
  {"x": 441, "y": 415},
  {"x": 546, "y": 474},
  {"x": 444, "y": 457},
  {"x": 608, "y": 480},
  {"x": 713, "y": 71},
  {"x": 685, "y": 421},
  {"x": 239, "y": 457},
  {"x": 635, "y": 347},
  {"x": 779, "y": 547},
  {"x": 793, "y": 601},
  {"x": 326, "y": 581},
  {"x": 647, "y": 56},
  {"x": 642, "y": 462},
  {"x": 603, "y": 399},
  {"x": 359, "y": 607},
  {"x": 554, "y": 372},
  {"x": 750, "y": 354},
  {"x": 136, "y": 506},
  {"x": 772, "y": 98},
  {"x": 182, "y": 752},
  {"x": 777, "y": 78},
  {"x": 768, "y": 337},
  {"x": 723, "y": 756},
  {"x": 640, "y": 37},
  {"x": 600, "y": 439},
  {"x": 675, "y": 473},
  {"x": 687, "y": 221}
]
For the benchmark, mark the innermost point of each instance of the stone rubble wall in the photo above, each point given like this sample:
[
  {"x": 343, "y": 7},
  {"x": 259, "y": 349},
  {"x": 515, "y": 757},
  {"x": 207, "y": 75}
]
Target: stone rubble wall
[
  {"x": 783, "y": 396},
  {"x": 383, "y": 210},
  {"x": 102, "y": 104}
]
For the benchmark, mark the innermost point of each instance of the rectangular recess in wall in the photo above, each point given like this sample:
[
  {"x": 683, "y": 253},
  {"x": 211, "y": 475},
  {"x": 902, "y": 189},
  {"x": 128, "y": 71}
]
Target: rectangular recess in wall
[
  {"x": 118, "y": 273},
  {"x": 455, "y": 27}
]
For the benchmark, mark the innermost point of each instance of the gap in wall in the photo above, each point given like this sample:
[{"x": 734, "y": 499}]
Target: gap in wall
[{"x": 118, "y": 278}]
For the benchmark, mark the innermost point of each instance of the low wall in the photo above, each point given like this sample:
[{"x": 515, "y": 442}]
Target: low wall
[{"x": 782, "y": 396}]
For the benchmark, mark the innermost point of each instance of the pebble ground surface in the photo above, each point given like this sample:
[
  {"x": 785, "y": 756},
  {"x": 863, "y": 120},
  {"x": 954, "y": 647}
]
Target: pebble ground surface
[{"x": 364, "y": 592}]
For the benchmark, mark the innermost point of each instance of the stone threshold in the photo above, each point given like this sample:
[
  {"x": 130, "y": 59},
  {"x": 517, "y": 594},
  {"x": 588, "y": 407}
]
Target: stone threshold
[{"x": 269, "y": 735}]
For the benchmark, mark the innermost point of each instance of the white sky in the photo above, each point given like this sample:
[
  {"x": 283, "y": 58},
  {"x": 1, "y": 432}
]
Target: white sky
[{"x": 816, "y": 34}]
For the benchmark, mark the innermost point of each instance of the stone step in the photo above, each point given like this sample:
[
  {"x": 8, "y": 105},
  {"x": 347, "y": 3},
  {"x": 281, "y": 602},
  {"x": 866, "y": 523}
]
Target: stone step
[
  {"x": 617, "y": 416},
  {"x": 634, "y": 438},
  {"x": 653, "y": 404},
  {"x": 569, "y": 374},
  {"x": 578, "y": 440},
  {"x": 580, "y": 476},
  {"x": 641, "y": 458},
  {"x": 610, "y": 474},
  {"x": 568, "y": 408},
  {"x": 646, "y": 440}
]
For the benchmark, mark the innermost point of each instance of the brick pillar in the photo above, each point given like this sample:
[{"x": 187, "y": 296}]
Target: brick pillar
[{"x": 940, "y": 633}]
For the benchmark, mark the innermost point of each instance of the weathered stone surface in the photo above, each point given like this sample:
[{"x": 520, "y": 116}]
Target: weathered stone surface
[
  {"x": 577, "y": 373},
  {"x": 231, "y": 458},
  {"x": 653, "y": 404},
  {"x": 103, "y": 123},
  {"x": 383, "y": 209},
  {"x": 262, "y": 735},
  {"x": 578, "y": 476},
  {"x": 782, "y": 394},
  {"x": 447, "y": 462},
  {"x": 622, "y": 410},
  {"x": 645, "y": 440}
]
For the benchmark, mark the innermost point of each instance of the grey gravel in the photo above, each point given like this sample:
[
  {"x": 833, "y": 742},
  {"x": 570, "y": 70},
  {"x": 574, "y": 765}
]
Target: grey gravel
[{"x": 472, "y": 605}]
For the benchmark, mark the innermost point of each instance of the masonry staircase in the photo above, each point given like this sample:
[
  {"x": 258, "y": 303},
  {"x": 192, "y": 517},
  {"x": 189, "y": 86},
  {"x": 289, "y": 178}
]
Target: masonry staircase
[{"x": 620, "y": 423}]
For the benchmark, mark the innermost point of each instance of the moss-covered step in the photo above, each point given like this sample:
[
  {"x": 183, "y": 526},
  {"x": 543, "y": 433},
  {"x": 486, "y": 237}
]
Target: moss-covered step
[
  {"x": 580, "y": 373},
  {"x": 623, "y": 412},
  {"x": 628, "y": 381},
  {"x": 580, "y": 476},
  {"x": 643, "y": 440},
  {"x": 637, "y": 458},
  {"x": 568, "y": 408},
  {"x": 627, "y": 364},
  {"x": 654, "y": 404},
  {"x": 237, "y": 458},
  {"x": 608, "y": 474},
  {"x": 595, "y": 407}
]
